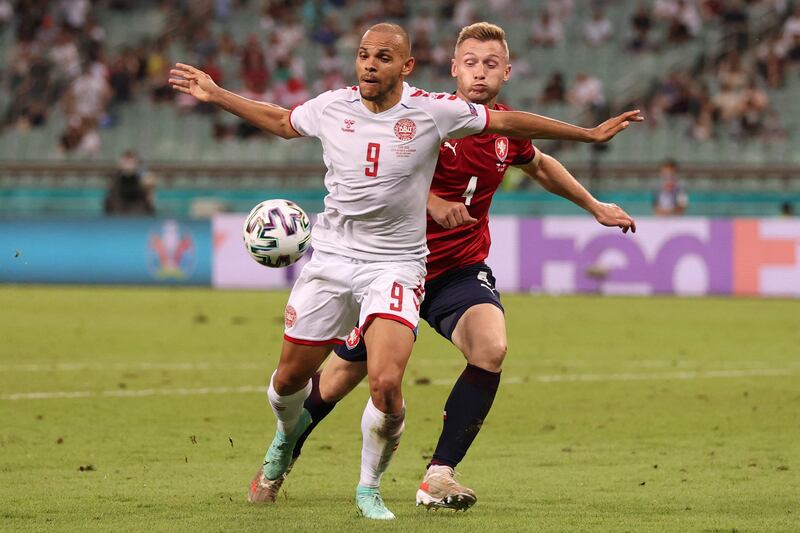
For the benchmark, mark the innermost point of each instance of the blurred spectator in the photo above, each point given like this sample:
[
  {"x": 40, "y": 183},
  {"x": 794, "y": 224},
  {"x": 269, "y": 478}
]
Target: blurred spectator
[
  {"x": 735, "y": 24},
  {"x": 65, "y": 58},
  {"x": 6, "y": 12},
  {"x": 670, "y": 199},
  {"x": 74, "y": 12},
  {"x": 771, "y": 63},
  {"x": 254, "y": 69},
  {"x": 423, "y": 50},
  {"x": 423, "y": 21},
  {"x": 230, "y": 61},
  {"x": 546, "y": 31},
  {"x": 560, "y": 10},
  {"x": 463, "y": 13},
  {"x": 157, "y": 68},
  {"x": 87, "y": 96},
  {"x": 731, "y": 72},
  {"x": 787, "y": 209},
  {"x": 597, "y": 30},
  {"x": 554, "y": 92},
  {"x": 791, "y": 27},
  {"x": 131, "y": 190},
  {"x": 754, "y": 109},
  {"x": 587, "y": 93},
  {"x": 328, "y": 32},
  {"x": 641, "y": 24}
]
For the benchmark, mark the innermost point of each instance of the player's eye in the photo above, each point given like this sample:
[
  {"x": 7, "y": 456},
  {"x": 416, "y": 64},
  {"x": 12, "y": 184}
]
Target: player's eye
[{"x": 491, "y": 64}]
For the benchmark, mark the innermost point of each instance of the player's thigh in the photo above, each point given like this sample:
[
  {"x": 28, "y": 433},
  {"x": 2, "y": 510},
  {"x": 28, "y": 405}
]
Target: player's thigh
[
  {"x": 389, "y": 344},
  {"x": 321, "y": 309},
  {"x": 339, "y": 377},
  {"x": 481, "y": 336}
]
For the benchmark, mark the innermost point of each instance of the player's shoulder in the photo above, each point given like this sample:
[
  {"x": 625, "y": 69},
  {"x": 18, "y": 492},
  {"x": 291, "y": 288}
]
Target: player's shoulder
[
  {"x": 428, "y": 99},
  {"x": 346, "y": 94},
  {"x": 502, "y": 107}
]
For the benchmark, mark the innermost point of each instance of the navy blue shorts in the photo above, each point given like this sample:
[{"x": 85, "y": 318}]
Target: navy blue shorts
[{"x": 446, "y": 299}]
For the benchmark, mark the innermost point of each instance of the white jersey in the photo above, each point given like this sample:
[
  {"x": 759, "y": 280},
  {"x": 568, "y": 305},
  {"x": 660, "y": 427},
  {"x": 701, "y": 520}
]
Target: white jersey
[{"x": 380, "y": 167}]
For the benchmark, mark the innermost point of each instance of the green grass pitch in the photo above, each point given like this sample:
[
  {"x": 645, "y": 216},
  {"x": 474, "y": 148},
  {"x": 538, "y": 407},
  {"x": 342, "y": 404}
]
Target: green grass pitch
[{"x": 615, "y": 414}]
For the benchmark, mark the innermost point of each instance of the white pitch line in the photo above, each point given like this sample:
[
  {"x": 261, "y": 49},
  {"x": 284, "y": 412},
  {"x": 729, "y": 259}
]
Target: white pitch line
[
  {"x": 72, "y": 367},
  {"x": 204, "y": 365},
  {"x": 511, "y": 380}
]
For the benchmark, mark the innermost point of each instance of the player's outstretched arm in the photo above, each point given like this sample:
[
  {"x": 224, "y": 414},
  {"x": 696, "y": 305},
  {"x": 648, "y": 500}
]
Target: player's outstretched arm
[
  {"x": 448, "y": 214},
  {"x": 552, "y": 175},
  {"x": 531, "y": 126},
  {"x": 268, "y": 117}
]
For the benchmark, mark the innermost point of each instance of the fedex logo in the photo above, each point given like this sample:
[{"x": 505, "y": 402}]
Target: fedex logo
[{"x": 676, "y": 256}]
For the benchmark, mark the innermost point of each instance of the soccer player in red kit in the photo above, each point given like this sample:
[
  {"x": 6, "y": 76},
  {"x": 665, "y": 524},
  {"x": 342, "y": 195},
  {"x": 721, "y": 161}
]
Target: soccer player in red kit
[{"x": 460, "y": 300}]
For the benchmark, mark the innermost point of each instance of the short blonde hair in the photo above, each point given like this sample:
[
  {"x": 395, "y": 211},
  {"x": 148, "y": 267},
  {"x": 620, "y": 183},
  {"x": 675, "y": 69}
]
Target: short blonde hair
[{"x": 483, "y": 32}]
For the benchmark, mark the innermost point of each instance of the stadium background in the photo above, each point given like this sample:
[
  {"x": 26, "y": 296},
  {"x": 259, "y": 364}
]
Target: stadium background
[
  {"x": 84, "y": 82},
  {"x": 143, "y": 409}
]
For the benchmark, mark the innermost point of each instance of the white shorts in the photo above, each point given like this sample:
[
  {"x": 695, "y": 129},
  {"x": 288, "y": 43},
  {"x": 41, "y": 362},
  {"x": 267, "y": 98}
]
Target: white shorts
[{"x": 334, "y": 292}]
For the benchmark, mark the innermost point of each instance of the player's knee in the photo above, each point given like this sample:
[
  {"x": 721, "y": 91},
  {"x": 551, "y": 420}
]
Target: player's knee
[
  {"x": 489, "y": 355},
  {"x": 287, "y": 382},
  {"x": 386, "y": 393}
]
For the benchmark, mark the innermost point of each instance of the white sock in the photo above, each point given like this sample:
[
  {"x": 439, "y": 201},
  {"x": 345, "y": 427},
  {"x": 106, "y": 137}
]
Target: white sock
[
  {"x": 287, "y": 408},
  {"x": 381, "y": 435}
]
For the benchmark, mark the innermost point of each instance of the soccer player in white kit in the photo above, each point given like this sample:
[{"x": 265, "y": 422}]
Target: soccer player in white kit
[{"x": 381, "y": 142}]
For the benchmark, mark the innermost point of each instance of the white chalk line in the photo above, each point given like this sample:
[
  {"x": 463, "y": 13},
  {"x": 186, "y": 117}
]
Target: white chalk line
[
  {"x": 510, "y": 380},
  {"x": 443, "y": 361}
]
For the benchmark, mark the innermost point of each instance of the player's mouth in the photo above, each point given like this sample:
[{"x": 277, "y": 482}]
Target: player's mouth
[
  {"x": 480, "y": 87},
  {"x": 370, "y": 81}
]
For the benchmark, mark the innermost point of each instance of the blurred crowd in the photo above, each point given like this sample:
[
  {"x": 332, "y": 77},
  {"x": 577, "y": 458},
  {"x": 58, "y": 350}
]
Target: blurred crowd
[
  {"x": 59, "y": 56},
  {"x": 733, "y": 100}
]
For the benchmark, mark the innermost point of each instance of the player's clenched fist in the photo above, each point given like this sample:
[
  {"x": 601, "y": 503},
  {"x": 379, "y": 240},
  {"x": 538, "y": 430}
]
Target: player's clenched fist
[
  {"x": 449, "y": 215},
  {"x": 190, "y": 80}
]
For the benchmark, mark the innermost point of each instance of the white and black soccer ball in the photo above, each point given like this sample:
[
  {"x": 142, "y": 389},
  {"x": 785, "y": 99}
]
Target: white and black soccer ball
[{"x": 277, "y": 233}]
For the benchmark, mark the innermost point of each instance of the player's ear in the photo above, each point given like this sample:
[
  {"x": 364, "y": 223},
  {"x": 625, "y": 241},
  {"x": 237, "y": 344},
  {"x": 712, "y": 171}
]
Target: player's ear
[
  {"x": 507, "y": 73},
  {"x": 453, "y": 68},
  {"x": 408, "y": 67}
]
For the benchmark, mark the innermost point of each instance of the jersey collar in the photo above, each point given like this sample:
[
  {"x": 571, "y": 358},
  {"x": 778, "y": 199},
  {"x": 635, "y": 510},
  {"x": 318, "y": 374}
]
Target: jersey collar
[{"x": 403, "y": 102}]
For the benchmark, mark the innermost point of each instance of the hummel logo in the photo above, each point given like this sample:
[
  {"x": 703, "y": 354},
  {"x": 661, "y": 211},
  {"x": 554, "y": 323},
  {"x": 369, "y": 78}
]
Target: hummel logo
[
  {"x": 348, "y": 125},
  {"x": 451, "y": 146}
]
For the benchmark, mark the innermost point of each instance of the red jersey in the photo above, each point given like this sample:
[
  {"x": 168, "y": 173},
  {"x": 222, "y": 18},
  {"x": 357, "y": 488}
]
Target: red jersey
[{"x": 470, "y": 170}]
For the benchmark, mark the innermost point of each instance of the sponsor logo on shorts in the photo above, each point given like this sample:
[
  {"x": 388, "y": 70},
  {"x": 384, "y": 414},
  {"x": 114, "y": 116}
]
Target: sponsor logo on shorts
[
  {"x": 290, "y": 316},
  {"x": 405, "y": 129},
  {"x": 353, "y": 339}
]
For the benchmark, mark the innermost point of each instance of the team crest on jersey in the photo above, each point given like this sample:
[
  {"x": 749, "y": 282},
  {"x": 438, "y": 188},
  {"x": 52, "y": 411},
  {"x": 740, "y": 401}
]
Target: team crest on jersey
[
  {"x": 348, "y": 125},
  {"x": 405, "y": 129},
  {"x": 290, "y": 316},
  {"x": 353, "y": 339},
  {"x": 501, "y": 148}
]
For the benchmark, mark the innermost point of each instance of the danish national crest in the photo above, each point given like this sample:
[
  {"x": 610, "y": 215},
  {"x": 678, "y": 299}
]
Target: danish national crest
[
  {"x": 405, "y": 129},
  {"x": 501, "y": 148}
]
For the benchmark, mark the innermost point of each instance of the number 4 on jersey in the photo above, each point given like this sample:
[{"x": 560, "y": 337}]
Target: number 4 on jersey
[{"x": 470, "y": 192}]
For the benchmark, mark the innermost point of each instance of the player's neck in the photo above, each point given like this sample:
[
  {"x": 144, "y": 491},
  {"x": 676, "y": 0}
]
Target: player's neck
[
  {"x": 490, "y": 104},
  {"x": 387, "y": 102}
]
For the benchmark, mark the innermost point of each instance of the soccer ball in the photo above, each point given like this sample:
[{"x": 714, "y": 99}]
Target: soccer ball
[{"x": 277, "y": 233}]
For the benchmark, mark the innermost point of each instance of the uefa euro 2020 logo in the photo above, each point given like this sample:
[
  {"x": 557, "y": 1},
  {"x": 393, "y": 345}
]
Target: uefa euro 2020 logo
[{"x": 171, "y": 252}]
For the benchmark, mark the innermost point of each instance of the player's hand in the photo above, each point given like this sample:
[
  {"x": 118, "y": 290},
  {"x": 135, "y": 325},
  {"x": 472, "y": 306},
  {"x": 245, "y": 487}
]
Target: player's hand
[
  {"x": 190, "y": 80},
  {"x": 449, "y": 215},
  {"x": 608, "y": 129},
  {"x": 612, "y": 215}
]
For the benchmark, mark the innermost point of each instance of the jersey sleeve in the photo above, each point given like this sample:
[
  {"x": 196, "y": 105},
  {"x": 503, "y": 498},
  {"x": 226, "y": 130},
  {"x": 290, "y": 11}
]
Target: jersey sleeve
[
  {"x": 305, "y": 118},
  {"x": 526, "y": 153},
  {"x": 457, "y": 118}
]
